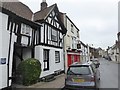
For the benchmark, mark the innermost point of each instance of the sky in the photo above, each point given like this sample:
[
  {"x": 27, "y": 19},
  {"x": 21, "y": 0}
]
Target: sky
[{"x": 97, "y": 20}]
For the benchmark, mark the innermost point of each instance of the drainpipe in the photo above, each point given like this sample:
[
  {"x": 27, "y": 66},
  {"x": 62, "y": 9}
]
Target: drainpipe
[{"x": 64, "y": 51}]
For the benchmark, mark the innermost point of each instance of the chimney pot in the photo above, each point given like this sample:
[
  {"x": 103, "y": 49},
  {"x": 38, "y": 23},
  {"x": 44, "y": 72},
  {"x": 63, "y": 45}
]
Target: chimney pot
[{"x": 43, "y": 4}]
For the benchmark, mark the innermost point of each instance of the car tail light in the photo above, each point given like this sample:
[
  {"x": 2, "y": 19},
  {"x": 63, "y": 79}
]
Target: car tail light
[
  {"x": 68, "y": 78},
  {"x": 92, "y": 78}
]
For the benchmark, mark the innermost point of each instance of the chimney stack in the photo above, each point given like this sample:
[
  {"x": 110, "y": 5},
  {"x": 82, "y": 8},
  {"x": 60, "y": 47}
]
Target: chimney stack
[{"x": 43, "y": 4}]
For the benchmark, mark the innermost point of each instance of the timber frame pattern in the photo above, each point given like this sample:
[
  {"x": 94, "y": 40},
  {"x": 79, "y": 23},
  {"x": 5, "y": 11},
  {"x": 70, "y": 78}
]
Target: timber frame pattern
[
  {"x": 14, "y": 27},
  {"x": 53, "y": 30},
  {"x": 51, "y": 36}
]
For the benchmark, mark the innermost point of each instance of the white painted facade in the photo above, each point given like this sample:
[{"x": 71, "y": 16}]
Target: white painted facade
[
  {"x": 102, "y": 52},
  {"x": 49, "y": 45},
  {"x": 52, "y": 65},
  {"x": 71, "y": 39},
  {"x": 84, "y": 53},
  {"x": 113, "y": 52},
  {"x": 4, "y": 48},
  {"x": 51, "y": 39}
]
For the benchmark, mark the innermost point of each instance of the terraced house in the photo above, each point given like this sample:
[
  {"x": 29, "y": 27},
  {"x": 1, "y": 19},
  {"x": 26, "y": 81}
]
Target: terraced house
[
  {"x": 17, "y": 33},
  {"x": 71, "y": 41},
  {"x": 25, "y": 34},
  {"x": 49, "y": 43}
]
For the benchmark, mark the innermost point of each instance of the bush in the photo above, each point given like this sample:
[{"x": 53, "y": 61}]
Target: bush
[{"x": 28, "y": 71}]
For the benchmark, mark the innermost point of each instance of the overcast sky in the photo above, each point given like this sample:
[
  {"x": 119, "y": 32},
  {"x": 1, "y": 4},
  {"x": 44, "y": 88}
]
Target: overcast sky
[{"x": 96, "y": 19}]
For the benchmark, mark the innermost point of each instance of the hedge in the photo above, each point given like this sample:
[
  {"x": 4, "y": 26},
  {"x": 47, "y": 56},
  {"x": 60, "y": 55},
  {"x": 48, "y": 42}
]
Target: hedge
[{"x": 28, "y": 71}]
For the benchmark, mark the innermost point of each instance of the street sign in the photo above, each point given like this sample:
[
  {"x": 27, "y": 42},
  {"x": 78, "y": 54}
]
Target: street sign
[{"x": 2, "y": 60}]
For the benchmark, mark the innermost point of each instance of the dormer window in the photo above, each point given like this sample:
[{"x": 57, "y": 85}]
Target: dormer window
[{"x": 25, "y": 29}]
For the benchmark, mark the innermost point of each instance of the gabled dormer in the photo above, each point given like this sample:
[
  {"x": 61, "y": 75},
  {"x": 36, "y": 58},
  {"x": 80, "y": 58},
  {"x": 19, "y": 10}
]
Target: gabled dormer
[
  {"x": 52, "y": 29},
  {"x": 52, "y": 19}
]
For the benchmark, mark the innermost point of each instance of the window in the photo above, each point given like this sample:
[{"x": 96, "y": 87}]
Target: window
[
  {"x": 57, "y": 56},
  {"x": 25, "y": 29},
  {"x": 54, "y": 35},
  {"x": 72, "y": 28},
  {"x": 46, "y": 59},
  {"x": 79, "y": 70},
  {"x": 74, "y": 43}
]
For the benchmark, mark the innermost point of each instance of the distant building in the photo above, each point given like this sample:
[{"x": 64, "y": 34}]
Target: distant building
[
  {"x": 113, "y": 52},
  {"x": 94, "y": 52},
  {"x": 84, "y": 52},
  {"x": 102, "y": 53}
]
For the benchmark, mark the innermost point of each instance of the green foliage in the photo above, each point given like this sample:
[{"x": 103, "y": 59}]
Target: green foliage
[{"x": 29, "y": 71}]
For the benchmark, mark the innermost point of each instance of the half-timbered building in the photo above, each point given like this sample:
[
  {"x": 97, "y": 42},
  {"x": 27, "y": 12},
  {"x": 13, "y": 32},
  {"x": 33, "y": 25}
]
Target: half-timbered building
[
  {"x": 17, "y": 36},
  {"x": 49, "y": 41}
]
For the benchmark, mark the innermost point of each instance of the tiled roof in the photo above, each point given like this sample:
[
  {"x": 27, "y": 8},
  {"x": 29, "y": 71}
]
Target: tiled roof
[
  {"x": 42, "y": 14},
  {"x": 18, "y": 8}
]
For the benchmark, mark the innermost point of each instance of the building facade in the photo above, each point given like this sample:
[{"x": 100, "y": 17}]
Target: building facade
[
  {"x": 17, "y": 39},
  {"x": 71, "y": 41},
  {"x": 113, "y": 52},
  {"x": 84, "y": 53},
  {"x": 25, "y": 34},
  {"x": 49, "y": 41}
]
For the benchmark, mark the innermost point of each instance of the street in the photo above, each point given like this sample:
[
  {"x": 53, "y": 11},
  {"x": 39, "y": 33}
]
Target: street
[{"x": 108, "y": 72}]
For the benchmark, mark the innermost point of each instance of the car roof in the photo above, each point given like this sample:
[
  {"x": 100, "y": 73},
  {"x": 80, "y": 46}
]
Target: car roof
[{"x": 80, "y": 64}]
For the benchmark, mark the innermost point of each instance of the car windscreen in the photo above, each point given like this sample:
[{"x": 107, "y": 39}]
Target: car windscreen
[{"x": 79, "y": 70}]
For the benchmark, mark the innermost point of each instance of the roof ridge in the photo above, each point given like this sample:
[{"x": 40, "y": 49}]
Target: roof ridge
[{"x": 44, "y": 9}]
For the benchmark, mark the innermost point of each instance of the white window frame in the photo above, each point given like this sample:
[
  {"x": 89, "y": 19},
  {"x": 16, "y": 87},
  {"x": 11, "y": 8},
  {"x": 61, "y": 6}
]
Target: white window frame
[
  {"x": 25, "y": 29},
  {"x": 57, "y": 57}
]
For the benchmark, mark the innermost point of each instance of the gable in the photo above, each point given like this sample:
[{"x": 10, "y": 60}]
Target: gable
[{"x": 53, "y": 20}]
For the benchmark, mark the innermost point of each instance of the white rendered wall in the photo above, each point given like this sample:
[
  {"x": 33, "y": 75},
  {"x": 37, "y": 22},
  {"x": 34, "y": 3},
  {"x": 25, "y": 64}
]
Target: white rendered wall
[
  {"x": 52, "y": 65},
  {"x": 4, "y": 48},
  {"x": 4, "y": 38}
]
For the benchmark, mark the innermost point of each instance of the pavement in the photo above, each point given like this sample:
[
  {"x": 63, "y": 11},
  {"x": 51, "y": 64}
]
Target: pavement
[{"x": 57, "y": 83}]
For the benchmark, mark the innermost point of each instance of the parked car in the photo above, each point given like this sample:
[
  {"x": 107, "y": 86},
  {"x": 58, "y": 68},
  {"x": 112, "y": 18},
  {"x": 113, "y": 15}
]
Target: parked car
[
  {"x": 96, "y": 62},
  {"x": 108, "y": 58},
  {"x": 82, "y": 76}
]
